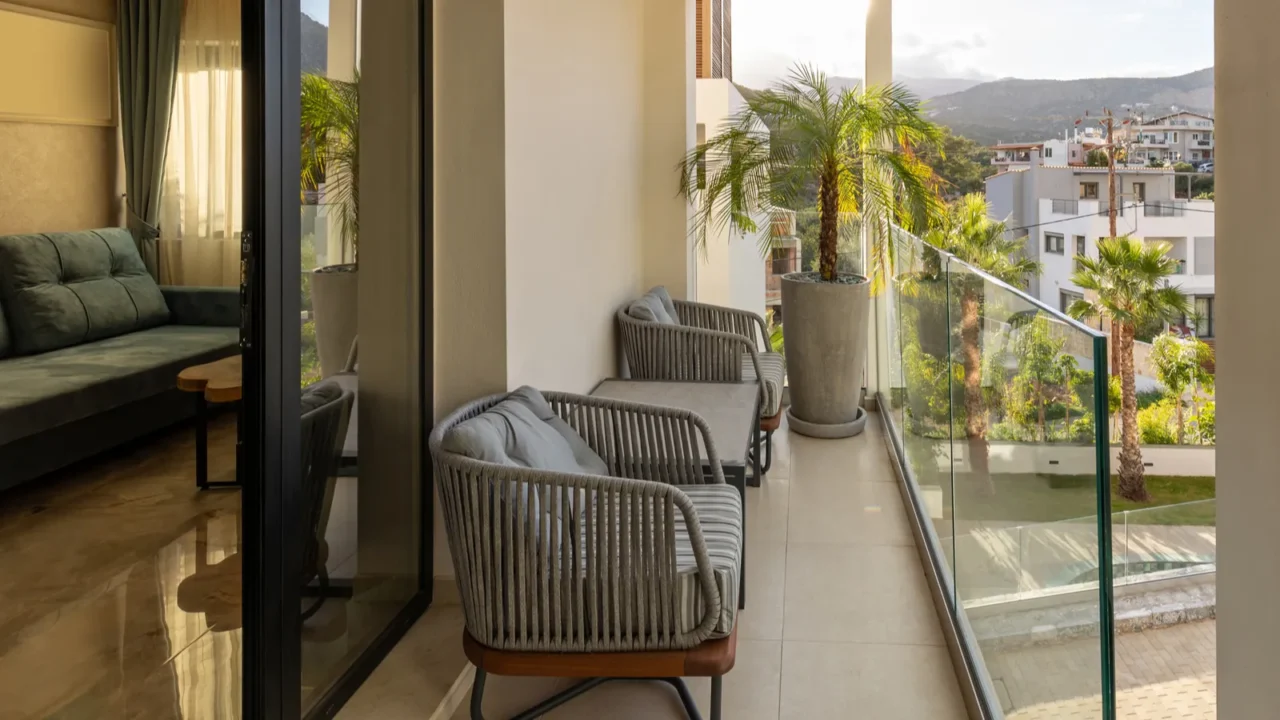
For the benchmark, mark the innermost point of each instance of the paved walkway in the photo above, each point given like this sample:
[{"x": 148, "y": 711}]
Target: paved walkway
[{"x": 1165, "y": 673}]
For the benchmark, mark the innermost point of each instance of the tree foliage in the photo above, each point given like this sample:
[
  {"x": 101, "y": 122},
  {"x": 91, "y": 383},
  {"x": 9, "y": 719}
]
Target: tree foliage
[
  {"x": 858, "y": 145},
  {"x": 330, "y": 134},
  {"x": 961, "y": 164}
]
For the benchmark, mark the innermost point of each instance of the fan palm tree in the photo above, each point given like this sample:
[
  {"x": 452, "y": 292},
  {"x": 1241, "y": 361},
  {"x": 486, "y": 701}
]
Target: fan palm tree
[
  {"x": 967, "y": 231},
  {"x": 331, "y": 148},
  {"x": 1129, "y": 284},
  {"x": 856, "y": 146}
]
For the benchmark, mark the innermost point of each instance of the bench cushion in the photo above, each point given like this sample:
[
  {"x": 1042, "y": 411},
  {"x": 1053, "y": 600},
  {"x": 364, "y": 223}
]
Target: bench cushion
[
  {"x": 64, "y": 289},
  {"x": 774, "y": 368},
  {"x": 40, "y": 392},
  {"x": 719, "y": 509},
  {"x": 523, "y": 431},
  {"x": 655, "y": 306}
]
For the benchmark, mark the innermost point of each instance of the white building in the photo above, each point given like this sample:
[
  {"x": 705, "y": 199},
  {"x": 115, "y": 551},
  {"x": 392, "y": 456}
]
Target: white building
[
  {"x": 729, "y": 268},
  {"x": 1062, "y": 211},
  {"x": 1179, "y": 137}
]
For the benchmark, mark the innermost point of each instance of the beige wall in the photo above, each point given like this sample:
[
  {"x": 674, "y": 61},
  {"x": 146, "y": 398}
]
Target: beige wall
[
  {"x": 59, "y": 177},
  {"x": 575, "y": 151},
  {"x": 669, "y": 95},
  {"x": 1248, "y": 343}
]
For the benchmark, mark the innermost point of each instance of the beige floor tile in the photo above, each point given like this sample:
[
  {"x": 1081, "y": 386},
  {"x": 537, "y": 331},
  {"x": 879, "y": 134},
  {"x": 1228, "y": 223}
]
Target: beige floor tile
[
  {"x": 870, "y": 513},
  {"x": 847, "y": 680},
  {"x": 762, "y": 618},
  {"x": 874, "y": 594},
  {"x": 826, "y": 462},
  {"x": 412, "y": 680},
  {"x": 750, "y": 693},
  {"x": 767, "y": 511}
]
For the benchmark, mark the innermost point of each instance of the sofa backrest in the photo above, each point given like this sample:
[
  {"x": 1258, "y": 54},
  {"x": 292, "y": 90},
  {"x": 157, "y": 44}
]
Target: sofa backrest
[{"x": 64, "y": 289}]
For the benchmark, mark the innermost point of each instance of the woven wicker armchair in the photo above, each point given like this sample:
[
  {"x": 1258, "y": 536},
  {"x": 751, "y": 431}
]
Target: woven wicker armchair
[
  {"x": 710, "y": 343},
  {"x": 633, "y": 575}
]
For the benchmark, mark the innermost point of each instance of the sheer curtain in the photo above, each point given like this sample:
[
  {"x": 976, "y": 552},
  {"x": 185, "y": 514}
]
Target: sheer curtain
[{"x": 200, "y": 208}]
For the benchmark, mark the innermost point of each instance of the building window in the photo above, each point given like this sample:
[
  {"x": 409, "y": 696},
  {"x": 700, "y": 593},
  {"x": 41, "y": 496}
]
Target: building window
[
  {"x": 1054, "y": 243},
  {"x": 1048, "y": 152},
  {"x": 1065, "y": 298},
  {"x": 1204, "y": 316},
  {"x": 1175, "y": 137},
  {"x": 1140, "y": 191},
  {"x": 1089, "y": 191},
  {"x": 1081, "y": 250},
  {"x": 1195, "y": 136},
  {"x": 781, "y": 261}
]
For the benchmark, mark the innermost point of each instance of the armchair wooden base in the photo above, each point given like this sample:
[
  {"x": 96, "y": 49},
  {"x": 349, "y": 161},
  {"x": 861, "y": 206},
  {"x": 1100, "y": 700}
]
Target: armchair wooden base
[{"x": 712, "y": 659}]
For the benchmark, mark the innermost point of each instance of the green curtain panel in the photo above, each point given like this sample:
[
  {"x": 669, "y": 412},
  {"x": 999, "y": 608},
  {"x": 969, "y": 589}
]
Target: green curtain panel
[{"x": 148, "y": 31}]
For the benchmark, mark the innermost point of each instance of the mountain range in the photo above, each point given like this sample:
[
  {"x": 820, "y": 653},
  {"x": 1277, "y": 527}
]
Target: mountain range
[
  {"x": 1013, "y": 110},
  {"x": 1017, "y": 110}
]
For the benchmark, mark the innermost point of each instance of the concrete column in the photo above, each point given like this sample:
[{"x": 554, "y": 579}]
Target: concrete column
[
  {"x": 341, "y": 64},
  {"x": 470, "y": 264},
  {"x": 878, "y": 71},
  {"x": 1248, "y": 102},
  {"x": 669, "y": 133},
  {"x": 391, "y": 323}
]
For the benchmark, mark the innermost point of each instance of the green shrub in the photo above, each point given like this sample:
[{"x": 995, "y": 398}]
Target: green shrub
[
  {"x": 1156, "y": 424},
  {"x": 1147, "y": 398},
  {"x": 1204, "y": 426}
]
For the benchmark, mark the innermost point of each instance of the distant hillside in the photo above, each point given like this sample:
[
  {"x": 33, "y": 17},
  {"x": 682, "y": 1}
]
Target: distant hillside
[
  {"x": 924, "y": 88},
  {"x": 1013, "y": 110},
  {"x": 315, "y": 46}
]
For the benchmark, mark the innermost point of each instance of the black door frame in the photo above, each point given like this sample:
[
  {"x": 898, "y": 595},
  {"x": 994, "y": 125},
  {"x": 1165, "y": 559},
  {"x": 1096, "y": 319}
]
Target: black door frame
[{"x": 271, "y": 345}]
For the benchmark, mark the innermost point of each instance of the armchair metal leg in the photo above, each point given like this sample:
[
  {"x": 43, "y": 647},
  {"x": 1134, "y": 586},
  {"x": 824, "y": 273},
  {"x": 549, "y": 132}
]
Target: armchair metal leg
[
  {"x": 555, "y": 701},
  {"x": 716, "y": 683},
  {"x": 768, "y": 452}
]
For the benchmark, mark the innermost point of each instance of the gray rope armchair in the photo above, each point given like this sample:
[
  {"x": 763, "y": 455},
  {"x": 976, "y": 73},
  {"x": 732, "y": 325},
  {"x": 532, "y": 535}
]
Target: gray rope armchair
[
  {"x": 698, "y": 342},
  {"x": 626, "y": 575}
]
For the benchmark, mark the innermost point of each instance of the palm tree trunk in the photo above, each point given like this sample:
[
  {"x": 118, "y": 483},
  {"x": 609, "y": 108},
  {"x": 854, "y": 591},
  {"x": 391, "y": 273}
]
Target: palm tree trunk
[
  {"x": 1133, "y": 485},
  {"x": 829, "y": 230},
  {"x": 975, "y": 411}
]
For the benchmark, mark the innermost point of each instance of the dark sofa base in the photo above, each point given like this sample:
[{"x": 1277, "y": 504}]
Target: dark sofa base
[{"x": 43, "y": 453}]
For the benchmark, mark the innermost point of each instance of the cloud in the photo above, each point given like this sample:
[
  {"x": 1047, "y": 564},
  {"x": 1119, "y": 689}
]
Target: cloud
[{"x": 1132, "y": 17}]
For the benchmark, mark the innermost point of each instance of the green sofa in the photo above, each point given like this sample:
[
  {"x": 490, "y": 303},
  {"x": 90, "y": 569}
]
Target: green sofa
[{"x": 90, "y": 347}]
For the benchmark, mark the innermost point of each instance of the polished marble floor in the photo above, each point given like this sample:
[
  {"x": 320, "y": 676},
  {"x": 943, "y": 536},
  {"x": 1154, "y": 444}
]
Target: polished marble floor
[
  {"x": 120, "y": 589},
  {"x": 863, "y": 641}
]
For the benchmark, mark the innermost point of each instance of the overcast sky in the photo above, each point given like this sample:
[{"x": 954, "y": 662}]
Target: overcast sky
[{"x": 978, "y": 38}]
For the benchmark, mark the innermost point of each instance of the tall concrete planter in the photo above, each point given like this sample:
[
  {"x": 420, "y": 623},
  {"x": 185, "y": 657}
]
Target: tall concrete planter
[
  {"x": 336, "y": 304},
  {"x": 826, "y": 336}
]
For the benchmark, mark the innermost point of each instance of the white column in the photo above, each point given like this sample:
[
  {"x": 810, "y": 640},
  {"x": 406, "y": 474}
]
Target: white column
[
  {"x": 470, "y": 323},
  {"x": 669, "y": 132},
  {"x": 878, "y": 71},
  {"x": 1248, "y": 343}
]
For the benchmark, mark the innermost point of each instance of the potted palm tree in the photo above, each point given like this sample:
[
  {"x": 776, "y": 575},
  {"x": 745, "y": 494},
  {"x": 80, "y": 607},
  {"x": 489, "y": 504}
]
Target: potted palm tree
[
  {"x": 857, "y": 148},
  {"x": 330, "y": 163},
  {"x": 967, "y": 231},
  {"x": 1129, "y": 284}
]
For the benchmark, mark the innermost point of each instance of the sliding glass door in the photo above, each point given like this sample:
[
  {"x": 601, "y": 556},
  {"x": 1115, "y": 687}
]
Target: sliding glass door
[{"x": 337, "y": 345}]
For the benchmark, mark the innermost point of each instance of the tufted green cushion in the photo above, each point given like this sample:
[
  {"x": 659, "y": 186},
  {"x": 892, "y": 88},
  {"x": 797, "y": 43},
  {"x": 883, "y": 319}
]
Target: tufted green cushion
[{"x": 64, "y": 289}]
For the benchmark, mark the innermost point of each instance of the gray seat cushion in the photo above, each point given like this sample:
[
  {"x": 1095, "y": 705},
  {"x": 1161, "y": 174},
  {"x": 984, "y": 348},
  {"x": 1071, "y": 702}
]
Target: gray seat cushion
[
  {"x": 774, "y": 368},
  {"x": 64, "y": 289},
  {"x": 40, "y": 392},
  {"x": 719, "y": 511},
  {"x": 655, "y": 306},
  {"x": 523, "y": 431}
]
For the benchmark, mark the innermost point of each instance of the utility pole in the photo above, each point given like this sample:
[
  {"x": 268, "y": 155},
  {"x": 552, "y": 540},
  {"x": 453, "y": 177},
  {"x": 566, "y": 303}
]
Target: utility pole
[{"x": 1111, "y": 170}]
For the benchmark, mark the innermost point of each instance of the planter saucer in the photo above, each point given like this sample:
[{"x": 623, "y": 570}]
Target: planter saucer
[{"x": 819, "y": 430}]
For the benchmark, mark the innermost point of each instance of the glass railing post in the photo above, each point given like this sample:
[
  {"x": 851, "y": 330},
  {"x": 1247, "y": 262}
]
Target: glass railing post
[{"x": 1106, "y": 585}]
